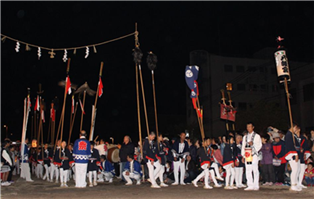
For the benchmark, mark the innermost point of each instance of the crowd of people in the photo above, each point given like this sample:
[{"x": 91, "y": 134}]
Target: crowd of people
[{"x": 238, "y": 160}]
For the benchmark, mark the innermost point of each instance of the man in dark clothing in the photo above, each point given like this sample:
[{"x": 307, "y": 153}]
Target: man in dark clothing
[
  {"x": 192, "y": 149},
  {"x": 126, "y": 148},
  {"x": 190, "y": 170}
]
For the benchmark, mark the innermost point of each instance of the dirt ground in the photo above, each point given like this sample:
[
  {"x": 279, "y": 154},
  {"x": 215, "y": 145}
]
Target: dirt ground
[{"x": 44, "y": 189}]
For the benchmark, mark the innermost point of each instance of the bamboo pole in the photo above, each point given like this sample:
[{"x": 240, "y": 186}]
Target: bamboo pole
[
  {"x": 289, "y": 107},
  {"x": 91, "y": 135},
  {"x": 72, "y": 124},
  {"x": 155, "y": 107},
  {"x": 49, "y": 130},
  {"x": 82, "y": 114},
  {"x": 63, "y": 108},
  {"x": 144, "y": 101}
]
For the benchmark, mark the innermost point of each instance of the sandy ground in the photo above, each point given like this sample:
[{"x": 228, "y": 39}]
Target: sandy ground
[{"x": 44, "y": 189}]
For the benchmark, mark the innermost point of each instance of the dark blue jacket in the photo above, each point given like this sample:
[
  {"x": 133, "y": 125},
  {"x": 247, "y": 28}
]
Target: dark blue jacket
[
  {"x": 175, "y": 150},
  {"x": 81, "y": 150},
  {"x": 136, "y": 165},
  {"x": 162, "y": 153},
  {"x": 203, "y": 156},
  {"x": 290, "y": 149},
  {"x": 94, "y": 160},
  {"x": 150, "y": 151},
  {"x": 107, "y": 166},
  {"x": 229, "y": 156}
]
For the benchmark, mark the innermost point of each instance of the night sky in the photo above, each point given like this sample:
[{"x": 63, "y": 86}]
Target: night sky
[{"x": 170, "y": 29}]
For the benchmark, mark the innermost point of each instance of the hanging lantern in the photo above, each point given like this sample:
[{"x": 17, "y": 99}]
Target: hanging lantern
[
  {"x": 34, "y": 143},
  {"x": 282, "y": 61}
]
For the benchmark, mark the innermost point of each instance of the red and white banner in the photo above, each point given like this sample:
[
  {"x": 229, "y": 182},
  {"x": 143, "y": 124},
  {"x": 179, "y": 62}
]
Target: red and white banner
[
  {"x": 53, "y": 114},
  {"x": 36, "y": 107},
  {"x": 68, "y": 85},
  {"x": 101, "y": 86},
  {"x": 223, "y": 112},
  {"x": 232, "y": 114}
]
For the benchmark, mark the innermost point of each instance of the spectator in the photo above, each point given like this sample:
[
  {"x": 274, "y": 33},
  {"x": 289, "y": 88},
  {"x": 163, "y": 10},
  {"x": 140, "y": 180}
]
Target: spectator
[
  {"x": 309, "y": 175},
  {"x": 127, "y": 147},
  {"x": 267, "y": 161},
  {"x": 222, "y": 145},
  {"x": 279, "y": 161},
  {"x": 6, "y": 163},
  {"x": 192, "y": 149},
  {"x": 190, "y": 167}
]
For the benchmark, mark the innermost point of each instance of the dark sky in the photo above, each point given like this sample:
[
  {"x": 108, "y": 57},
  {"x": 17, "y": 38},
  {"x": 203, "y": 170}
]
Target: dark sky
[{"x": 170, "y": 29}]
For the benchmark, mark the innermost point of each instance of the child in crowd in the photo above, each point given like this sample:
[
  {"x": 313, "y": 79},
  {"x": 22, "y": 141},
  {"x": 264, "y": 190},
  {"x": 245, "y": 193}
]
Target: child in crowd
[
  {"x": 287, "y": 175},
  {"x": 267, "y": 161},
  {"x": 309, "y": 175},
  {"x": 230, "y": 162},
  {"x": 279, "y": 161}
]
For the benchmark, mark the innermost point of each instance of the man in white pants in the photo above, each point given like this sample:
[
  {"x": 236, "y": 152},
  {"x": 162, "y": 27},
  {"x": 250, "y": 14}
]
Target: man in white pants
[
  {"x": 180, "y": 151},
  {"x": 81, "y": 154},
  {"x": 291, "y": 146},
  {"x": 251, "y": 140},
  {"x": 150, "y": 153},
  {"x": 25, "y": 171},
  {"x": 132, "y": 171}
]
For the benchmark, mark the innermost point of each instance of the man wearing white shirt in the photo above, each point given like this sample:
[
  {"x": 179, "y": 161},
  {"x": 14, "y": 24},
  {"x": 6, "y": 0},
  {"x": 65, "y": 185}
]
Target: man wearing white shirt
[{"x": 251, "y": 140}]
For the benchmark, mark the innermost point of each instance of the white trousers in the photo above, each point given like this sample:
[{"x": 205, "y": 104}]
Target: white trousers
[
  {"x": 238, "y": 175},
  {"x": 301, "y": 172},
  {"x": 47, "y": 169},
  {"x": 176, "y": 166},
  {"x": 160, "y": 174},
  {"x": 153, "y": 172},
  {"x": 108, "y": 176},
  {"x": 25, "y": 172},
  {"x": 294, "y": 172},
  {"x": 230, "y": 175},
  {"x": 250, "y": 170},
  {"x": 131, "y": 176},
  {"x": 63, "y": 175},
  {"x": 215, "y": 167},
  {"x": 80, "y": 174},
  {"x": 54, "y": 171},
  {"x": 205, "y": 174},
  {"x": 92, "y": 175},
  {"x": 39, "y": 170}
]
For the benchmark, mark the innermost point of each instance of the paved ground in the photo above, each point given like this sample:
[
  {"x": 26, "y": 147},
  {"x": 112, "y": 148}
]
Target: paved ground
[{"x": 44, "y": 189}]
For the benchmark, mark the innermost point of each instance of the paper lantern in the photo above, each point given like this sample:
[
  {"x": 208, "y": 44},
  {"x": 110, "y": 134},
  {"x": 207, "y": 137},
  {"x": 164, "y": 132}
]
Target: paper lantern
[
  {"x": 34, "y": 143},
  {"x": 248, "y": 155},
  {"x": 282, "y": 64}
]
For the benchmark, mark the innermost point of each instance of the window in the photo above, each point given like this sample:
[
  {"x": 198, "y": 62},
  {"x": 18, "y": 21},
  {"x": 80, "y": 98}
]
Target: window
[
  {"x": 241, "y": 87},
  {"x": 251, "y": 68},
  {"x": 228, "y": 68},
  {"x": 240, "y": 69},
  {"x": 242, "y": 105},
  {"x": 253, "y": 87},
  {"x": 308, "y": 92}
]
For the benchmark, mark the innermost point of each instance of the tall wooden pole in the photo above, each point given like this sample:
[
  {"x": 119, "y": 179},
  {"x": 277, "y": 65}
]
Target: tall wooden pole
[
  {"x": 144, "y": 101},
  {"x": 82, "y": 114},
  {"x": 72, "y": 124},
  {"x": 91, "y": 135},
  {"x": 155, "y": 106},
  {"x": 289, "y": 107}
]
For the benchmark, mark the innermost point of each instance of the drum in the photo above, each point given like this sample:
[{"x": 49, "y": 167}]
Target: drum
[
  {"x": 113, "y": 155},
  {"x": 248, "y": 155}
]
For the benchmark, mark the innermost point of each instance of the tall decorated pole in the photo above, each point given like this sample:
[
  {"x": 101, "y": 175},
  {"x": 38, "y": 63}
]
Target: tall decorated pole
[
  {"x": 83, "y": 89},
  {"x": 99, "y": 94},
  {"x": 67, "y": 89},
  {"x": 283, "y": 73},
  {"x": 151, "y": 63},
  {"x": 191, "y": 75},
  {"x": 232, "y": 112},
  {"x": 40, "y": 122},
  {"x": 72, "y": 123},
  {"x": 224, "y": 109},
  {"x": 137, "y": 57},
  {"x": 27, "y": 105}
]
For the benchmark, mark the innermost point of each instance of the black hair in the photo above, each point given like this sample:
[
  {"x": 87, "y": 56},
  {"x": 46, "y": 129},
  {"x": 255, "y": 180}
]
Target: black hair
[
  {"x": 229, "y": 137},
  {"x": 92, "y": 142},
  {"x": 214, "y": 146},
  {"x": 266, "y": 136},
  {"x": 103, "y": 157},
  {"x": 152, "y": 133},
  {"x": 6, "y": 142},
  {"x": 250, "y": 123}
]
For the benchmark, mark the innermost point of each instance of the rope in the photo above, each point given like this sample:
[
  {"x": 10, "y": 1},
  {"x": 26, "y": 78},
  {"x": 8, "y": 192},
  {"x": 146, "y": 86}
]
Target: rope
[{"x": 71, "y": 48}]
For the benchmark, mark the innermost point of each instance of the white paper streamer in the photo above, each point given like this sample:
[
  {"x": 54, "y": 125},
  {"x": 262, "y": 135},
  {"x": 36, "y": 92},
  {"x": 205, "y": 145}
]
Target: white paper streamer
[
  {"x": 87, "y": 52},
  {"x": 17, "y": 47},
  {"x": 39, "y": 53},
  {"x": 65, "y": 55}
]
